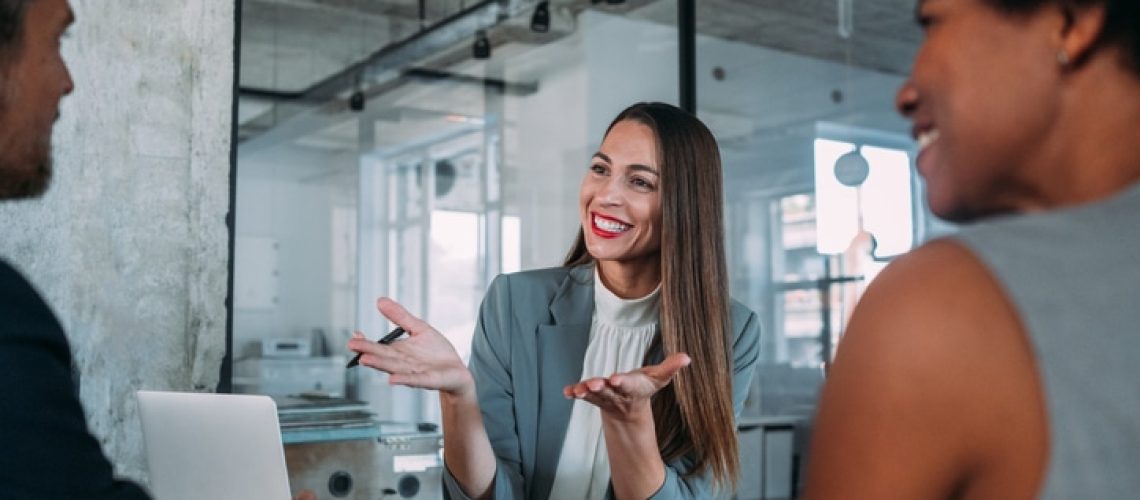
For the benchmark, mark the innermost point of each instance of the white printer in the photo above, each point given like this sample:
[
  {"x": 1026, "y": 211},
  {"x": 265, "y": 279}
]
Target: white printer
[{"x": 287, "y": 368}]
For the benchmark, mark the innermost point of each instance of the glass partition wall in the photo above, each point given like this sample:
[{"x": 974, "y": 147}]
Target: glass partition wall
[
  {"x": 821, "y": 193},
  {"x": 416, "y": 149},
  {"x": 385, "y": 155}
]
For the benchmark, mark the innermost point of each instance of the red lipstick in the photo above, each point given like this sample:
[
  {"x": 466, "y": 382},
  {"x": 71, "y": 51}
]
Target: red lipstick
[{"x": 602, "y": 233}]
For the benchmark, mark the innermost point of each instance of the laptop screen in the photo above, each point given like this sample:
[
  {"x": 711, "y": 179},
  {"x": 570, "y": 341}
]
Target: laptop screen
[{"x": 217, "y": 446}]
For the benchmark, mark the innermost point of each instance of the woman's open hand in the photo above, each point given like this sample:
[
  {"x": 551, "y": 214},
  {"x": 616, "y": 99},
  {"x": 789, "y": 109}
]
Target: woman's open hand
[
  {"x": 626, "y": 395},
  {"x": 424, "y": 359}
]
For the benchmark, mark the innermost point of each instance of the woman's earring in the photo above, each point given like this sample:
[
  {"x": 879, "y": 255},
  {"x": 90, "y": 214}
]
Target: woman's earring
[{"x": 1063, "y": 57}]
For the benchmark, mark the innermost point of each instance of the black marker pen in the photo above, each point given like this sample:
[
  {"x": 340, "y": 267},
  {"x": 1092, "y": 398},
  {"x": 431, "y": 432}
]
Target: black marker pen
[{"x": 387, "y": 339}]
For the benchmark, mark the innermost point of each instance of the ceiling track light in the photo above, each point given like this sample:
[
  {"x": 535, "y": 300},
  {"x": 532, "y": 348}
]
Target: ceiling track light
[
  {"x": 356, "y": 99},
  {"x": 482, "y": 47},
  {"x": 540, "y": 21}
]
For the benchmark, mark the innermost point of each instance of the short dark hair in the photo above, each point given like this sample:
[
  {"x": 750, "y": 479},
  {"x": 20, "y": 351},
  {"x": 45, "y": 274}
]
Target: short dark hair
[
  {"x": 11, "y": 26},
  {"x": 1121, "y": 23}
]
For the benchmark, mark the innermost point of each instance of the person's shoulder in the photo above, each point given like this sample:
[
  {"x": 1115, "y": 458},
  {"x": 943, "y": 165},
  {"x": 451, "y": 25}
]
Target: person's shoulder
[
  {"x": 933, "y": 357},
  {"x": 939, "y": 293},
  {"x": 742, "y": 319},
  {"x": 737, "y": 310},
  {"x": 535, "y": 284},
  {"x": 26, "y": 321},
  {"x": 537, "y": 276},
  {"x": 11, "y": 279},
  {"x": 943, "y": 258},
  {"x": 544, "y": 281},
  {"x": 22, "y": 309}
]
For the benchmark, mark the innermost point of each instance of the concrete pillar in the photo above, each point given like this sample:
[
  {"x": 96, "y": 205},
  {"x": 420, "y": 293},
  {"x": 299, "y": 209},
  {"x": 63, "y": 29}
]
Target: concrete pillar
[{"x": 130, "y": 245}]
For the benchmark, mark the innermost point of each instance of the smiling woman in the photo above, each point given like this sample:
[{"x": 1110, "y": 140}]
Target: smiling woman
[
  {"x": 999, "y": 363},
  {"x": 659, "y": 169},
  {"x": 1010, "y": 58},
  {"x": 619, "y": 374},
  {"x": 658, "y": 174},
  {"x": 621, "y": 204}
]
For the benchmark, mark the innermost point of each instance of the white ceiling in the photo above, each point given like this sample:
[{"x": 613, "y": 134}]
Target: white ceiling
[
  {"x": 290, "y": 44},
  {"x": 759, "y": 106}
]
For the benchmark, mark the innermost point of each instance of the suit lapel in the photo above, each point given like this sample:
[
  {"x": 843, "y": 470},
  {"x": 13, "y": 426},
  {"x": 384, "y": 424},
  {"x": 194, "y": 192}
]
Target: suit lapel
[{"x": 561, "y": 351}]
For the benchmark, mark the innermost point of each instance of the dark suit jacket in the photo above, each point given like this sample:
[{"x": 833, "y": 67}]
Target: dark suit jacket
[
  {"x": 530, "y": 342},
  {"x": 46, "y": 451}
]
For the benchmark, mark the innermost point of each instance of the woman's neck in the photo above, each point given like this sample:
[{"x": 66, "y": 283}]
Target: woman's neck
[
  {"x": 630, "y": 279},
  {"x": 1093, "y": 152}
]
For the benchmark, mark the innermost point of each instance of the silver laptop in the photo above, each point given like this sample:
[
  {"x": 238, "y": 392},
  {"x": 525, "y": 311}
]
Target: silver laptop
[{"x": 216, "y": 446}]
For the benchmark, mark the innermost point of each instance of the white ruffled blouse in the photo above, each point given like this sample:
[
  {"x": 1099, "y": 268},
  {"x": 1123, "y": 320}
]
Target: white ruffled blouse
[{"x": 620, "y": 334}]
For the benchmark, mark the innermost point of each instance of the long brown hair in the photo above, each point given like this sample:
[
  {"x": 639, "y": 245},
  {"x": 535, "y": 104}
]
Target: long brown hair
[{"x": 694, "y": 414}]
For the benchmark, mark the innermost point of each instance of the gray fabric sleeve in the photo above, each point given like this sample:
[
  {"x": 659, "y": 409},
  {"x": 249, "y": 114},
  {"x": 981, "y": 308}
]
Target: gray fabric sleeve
[{"x": 490, "y": 365}]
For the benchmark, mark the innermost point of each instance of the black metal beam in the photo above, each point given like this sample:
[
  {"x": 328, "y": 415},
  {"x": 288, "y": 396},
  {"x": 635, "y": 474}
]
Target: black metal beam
[
  {"x": 225, "y": 377},
  {"x": 428, "y": 74},
  {"x": 687, "y": 53},
  {"x": 497, "y": 84},
  {"x": 456, "y": 27}
]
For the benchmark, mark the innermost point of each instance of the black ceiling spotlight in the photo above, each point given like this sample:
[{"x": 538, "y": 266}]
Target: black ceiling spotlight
[
  {"x": 356, "y": 99},
  {"x": 540, "y": 21},
  {"x": 482, "y": 47}
]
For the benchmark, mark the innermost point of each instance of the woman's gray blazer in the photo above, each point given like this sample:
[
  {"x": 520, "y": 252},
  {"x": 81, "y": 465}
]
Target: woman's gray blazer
[{"x": 530, "y": 342}]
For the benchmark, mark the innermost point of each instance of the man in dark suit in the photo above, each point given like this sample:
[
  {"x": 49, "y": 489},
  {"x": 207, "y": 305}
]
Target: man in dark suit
[{"x": 48, "y": 451}]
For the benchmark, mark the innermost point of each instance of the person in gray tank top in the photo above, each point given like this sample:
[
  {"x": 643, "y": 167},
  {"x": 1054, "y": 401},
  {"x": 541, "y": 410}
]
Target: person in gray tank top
[{"x": 998, "y": 363}]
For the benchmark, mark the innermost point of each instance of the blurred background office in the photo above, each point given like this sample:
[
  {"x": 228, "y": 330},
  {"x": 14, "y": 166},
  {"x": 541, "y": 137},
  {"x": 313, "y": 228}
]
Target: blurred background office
[
  {"x": 236, "y": 183},
  {"x": 415, "y": 149}
]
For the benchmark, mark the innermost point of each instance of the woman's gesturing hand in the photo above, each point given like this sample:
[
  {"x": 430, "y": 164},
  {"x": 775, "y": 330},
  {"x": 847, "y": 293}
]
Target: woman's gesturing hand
[
  {"x": 424, "y": 359},
  {"x": 626, "y": 395}
]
